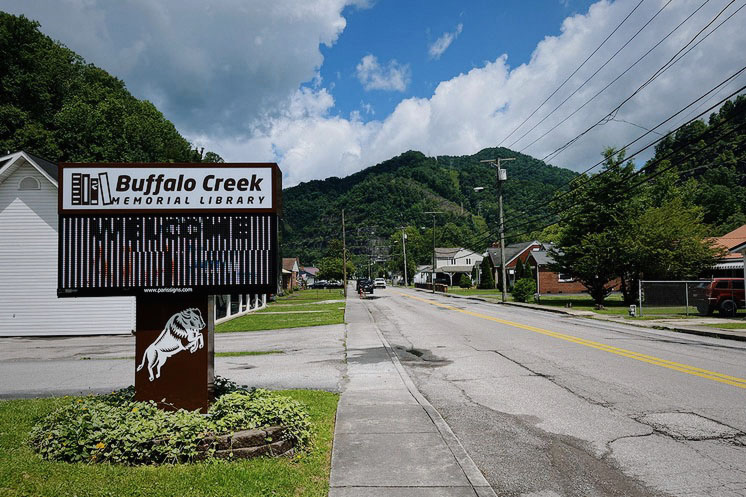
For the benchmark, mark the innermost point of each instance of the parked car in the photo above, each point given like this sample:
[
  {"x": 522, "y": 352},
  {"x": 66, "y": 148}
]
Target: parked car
[
  {"x": 379, "y": 283},
  {"x": 726, "y": 295},
  {"x": 365, "y": 285},
  {"x": 320, "y": 284}
]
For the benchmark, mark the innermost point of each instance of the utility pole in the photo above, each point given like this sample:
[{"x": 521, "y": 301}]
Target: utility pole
[
  {"x": 432, "y": 268},
  {"x": 404, "y": 252},
  {"x": 344, "y": 256},
  {"x": 502, "y": 176}
]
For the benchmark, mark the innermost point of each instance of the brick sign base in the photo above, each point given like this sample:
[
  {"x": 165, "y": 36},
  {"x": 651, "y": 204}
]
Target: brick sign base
[{"x": 174, "y": 354}]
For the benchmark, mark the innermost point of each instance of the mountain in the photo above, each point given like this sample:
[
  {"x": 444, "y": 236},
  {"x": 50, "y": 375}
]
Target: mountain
[
  {"x": 54, "y": 104},
  {"x": 399, "y": 191}
]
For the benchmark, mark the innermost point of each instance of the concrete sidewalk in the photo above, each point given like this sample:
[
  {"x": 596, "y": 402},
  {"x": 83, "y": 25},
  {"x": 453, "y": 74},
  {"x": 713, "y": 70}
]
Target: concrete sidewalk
[{"x": 389, "y": 440}]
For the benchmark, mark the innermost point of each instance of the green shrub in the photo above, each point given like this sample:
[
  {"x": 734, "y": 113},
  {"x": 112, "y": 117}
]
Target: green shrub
[
  {"x": 92, "y": 430},
  {"x": 464, "y": 281},
  {"x": 260, "y": 408},
  {"x": 524, "y": 289},
  {"x": 114, "y": 429}
]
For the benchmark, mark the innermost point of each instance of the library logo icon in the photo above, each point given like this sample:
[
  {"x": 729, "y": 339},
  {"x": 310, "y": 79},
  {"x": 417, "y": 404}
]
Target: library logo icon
[{"x": 90, "y": 189}]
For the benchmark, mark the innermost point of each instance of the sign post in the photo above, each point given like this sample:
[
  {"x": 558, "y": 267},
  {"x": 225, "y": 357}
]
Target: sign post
[{"x": 172, "y": 236}]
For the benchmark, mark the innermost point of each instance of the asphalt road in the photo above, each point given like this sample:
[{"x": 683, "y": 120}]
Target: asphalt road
[{"x": 552, "y": 405}]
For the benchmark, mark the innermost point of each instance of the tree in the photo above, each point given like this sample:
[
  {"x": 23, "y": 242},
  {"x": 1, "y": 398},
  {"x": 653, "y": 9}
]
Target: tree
[
  {"x": 595, "y": 214},
  {"x": 464, "y": 281},
  {"x": 524, "y": 289},
  {"x": 486, "y": 280}
]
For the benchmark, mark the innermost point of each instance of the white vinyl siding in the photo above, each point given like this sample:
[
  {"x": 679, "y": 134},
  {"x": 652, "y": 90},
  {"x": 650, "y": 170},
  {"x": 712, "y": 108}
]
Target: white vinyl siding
[{"x": 28, "y": 270}]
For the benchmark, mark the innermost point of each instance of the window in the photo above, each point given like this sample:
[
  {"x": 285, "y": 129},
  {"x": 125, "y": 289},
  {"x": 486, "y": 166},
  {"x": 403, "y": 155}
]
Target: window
[
  {"x": 721, "y": 284},
  {"x": 29, "y": 183},
  {"x": 468, "y": 262},
  {"x": 453, "y": 261},
  {"x": 564, "y": 277},
  {"x": 738, "y": 285}
]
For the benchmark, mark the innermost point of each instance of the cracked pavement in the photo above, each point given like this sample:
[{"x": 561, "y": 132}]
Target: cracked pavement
[{"x": 542, "y": 416}]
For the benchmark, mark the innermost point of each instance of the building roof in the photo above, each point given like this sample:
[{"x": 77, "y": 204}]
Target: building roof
[
  {"x": 731, "y": 240},
  {"x": 289, "y": 262},
  {"x": 310, "y": 270},
  {"x": 542, "y": 258},
  {"x": 9, "y": 163},
  {"x": 455, "y": 269},
  {"x": 511, "y": 252},
  {"x": 447, "y": 252},
  {"x": 424, "y": 269}
]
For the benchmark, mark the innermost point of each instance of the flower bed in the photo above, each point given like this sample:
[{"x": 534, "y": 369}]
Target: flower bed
[{"x": 115, "y": 429}]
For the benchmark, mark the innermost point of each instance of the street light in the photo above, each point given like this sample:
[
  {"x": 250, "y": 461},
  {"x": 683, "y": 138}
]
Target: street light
[
  {"x": 502, "y": 175},
  {"x": 478, "y": 189}
]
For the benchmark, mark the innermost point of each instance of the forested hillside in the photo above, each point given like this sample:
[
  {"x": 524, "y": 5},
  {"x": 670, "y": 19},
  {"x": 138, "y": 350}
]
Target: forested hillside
[
  {"x": 399, "y": 191},
  {"x": 54, "y": 104},
  {"x": 712, "y": 166}
]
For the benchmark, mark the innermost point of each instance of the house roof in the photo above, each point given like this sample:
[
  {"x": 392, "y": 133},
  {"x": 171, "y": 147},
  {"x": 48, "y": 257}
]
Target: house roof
[
  {"x": 424, "y": 269},
  {"x": 289, "y": 262},
  {"x": 511, "y": 252},
  {"x": 310, "y": 270},
  {"x": 542, "y": 258},
  {"x": 448, "y": 252},
  {"x": 455, "y": 269},
  {"x": 8, "y": 164},
  {"x": 731, "y": 240}
]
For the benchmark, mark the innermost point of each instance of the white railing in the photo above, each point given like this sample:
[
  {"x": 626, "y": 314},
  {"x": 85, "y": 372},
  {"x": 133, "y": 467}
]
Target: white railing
[{"x": 246, "y": 303}]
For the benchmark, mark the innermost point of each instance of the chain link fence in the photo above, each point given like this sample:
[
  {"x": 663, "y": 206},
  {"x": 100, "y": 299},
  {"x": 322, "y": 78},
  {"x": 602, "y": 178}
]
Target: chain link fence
[{"x": 673, "y": 298}]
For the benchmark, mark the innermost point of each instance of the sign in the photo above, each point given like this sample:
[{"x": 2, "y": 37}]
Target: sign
[
  {"x": 144, "y": 229},
  {"x": 172, "y": 352},
  {"x": 108, "y": 188}
]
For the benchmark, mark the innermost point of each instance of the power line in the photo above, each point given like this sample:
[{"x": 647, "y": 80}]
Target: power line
[
  {"x": 594, "y": 74},
  {"x": 655, "y": 75},
  {"x": 580, "y": 66},
  {"x": 625, "y": 147}
]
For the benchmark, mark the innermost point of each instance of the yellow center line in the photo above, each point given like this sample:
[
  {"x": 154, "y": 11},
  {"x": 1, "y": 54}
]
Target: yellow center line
[{"x": 664, "y": 363}]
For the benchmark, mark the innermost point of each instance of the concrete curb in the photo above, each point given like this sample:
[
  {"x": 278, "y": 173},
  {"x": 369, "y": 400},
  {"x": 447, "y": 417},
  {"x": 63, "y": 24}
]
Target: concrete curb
[
  {"x": 657, "y": 326},
  {"x": 475, "y": 477}
]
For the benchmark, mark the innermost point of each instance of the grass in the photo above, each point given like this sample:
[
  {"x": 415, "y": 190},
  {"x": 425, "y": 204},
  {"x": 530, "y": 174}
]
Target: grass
[
  {"x": 728, "y": 326},
  {"x": 22, "y": 472},
  {"x": 474, "y": 291},
  {"x": 248, "y": 353},
  {"x": 302, "y": 300}
]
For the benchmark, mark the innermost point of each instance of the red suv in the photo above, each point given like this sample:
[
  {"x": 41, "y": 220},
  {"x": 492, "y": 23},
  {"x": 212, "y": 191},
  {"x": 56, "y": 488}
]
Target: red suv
[{"x": 726, "y": 295}]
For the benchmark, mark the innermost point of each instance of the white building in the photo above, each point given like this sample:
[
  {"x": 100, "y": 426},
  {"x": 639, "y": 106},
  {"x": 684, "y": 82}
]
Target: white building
[
  {"x": 455, "y": 261},
  {"x": 28, "y": 261}
]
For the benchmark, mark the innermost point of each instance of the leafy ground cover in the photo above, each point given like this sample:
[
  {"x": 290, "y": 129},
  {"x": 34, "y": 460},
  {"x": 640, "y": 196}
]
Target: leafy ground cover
[
  {"x": 22, "y": 472},
  {"x": 291, "y": 311}
]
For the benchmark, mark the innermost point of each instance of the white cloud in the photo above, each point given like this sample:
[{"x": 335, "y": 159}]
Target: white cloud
[
  {"x": 245, "y": 100},
  {"x": 374, "y": 76},
  {"x": 441, "y": 44},
  {"x": 209, "y": 65},
  {"x": 478, "y": 109}
]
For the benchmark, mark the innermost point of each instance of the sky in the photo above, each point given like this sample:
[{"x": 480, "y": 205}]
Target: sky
[{"x": 329, "y": 87}]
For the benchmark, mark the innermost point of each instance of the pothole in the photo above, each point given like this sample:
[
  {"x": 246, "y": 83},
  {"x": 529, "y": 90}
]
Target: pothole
[
  {"x": 689, "y": 426},
  {"x": 420, "y": 357}
]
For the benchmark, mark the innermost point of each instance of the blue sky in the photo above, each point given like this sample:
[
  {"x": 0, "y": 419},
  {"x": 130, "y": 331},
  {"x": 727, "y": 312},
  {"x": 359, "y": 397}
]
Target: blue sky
[
  {"x": 329, "y": 87},
  {"x": 404, "y": 31}
]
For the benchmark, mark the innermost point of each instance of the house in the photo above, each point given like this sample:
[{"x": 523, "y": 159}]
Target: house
[
  {"x": 308, "y": 275},
  {"x": 513, "y": 253},
  {"x": 290, "y": 272},
  {"x": 422, "y": 275},
  {"x": 547, "y": 279},
  {"x": 730, "y": 265},
  {"x": 450, "y": 262},
  {"x": 28, "y": 261}
]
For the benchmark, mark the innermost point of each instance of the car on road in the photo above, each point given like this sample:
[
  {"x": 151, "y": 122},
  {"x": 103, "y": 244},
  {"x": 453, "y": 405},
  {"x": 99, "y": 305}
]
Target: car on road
[
  {"x": 725, "y": 295},
  {"x": 380, "y": 283},
  {"x": 365, "y": 285}
]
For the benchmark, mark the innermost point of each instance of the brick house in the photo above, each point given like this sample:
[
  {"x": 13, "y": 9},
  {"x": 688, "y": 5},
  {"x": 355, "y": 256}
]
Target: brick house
[
  {"x": 513, "y": 253},
  {"x": 290, "y": 271},
  {"x": 549, "y": 281}
]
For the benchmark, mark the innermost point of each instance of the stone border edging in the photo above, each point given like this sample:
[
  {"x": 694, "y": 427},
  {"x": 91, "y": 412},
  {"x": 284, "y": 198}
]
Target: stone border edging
[{"x": 247, "y": 444}]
